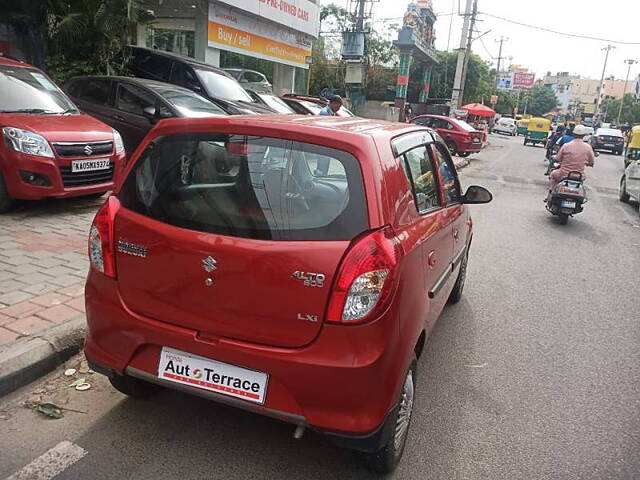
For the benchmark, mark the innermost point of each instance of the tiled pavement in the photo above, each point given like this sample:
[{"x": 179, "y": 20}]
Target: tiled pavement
[{"x": 43, "y": 265}]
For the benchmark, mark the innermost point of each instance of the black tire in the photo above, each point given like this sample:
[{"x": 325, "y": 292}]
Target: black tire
[
  {"x": 563, "y": 218},
  {"x": 525, "y": 141},
  {"x": 387, "y": 458},
  {"x": 452, "y": 147},
  {"x": 619, "y": 152},
  {"x": 464, "y": 154},
  {"x": 458, "y": 287},
  {"x": 6, "y": 202},
  {"x": 623, "y": 196},
  {"x": 134, "y": 387}
]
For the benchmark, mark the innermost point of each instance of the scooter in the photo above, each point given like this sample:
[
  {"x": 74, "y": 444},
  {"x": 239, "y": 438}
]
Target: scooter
[{"x": 567, "y": 197}]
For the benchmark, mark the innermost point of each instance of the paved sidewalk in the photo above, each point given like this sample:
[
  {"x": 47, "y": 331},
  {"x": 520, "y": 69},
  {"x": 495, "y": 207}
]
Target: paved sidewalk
[{"x": 43, "y": 265}]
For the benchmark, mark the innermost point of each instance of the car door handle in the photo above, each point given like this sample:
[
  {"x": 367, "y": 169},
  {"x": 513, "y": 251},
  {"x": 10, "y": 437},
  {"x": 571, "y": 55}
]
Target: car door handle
[
  {"x": 118, "y": 117},
  {"x": 431, "y": 259}
]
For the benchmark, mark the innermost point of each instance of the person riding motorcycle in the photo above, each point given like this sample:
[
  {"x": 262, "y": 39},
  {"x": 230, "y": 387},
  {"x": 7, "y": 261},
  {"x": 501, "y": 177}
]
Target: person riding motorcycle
[
  {"x": 553, "y": 139},
  {"x": 573, "y": 156}
]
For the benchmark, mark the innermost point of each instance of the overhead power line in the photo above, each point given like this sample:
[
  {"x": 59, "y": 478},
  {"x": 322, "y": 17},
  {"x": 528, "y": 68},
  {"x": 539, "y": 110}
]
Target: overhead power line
[{"x": 544, "y": 29}]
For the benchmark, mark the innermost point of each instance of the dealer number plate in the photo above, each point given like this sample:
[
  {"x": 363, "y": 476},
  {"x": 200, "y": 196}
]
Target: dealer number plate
[
  {"x": 231, "y": 380},
  {"x": 78, "y": 166}
]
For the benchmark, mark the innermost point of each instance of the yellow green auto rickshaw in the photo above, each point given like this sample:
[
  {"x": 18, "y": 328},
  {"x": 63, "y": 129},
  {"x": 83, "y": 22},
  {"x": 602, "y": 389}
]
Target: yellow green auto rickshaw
[
  {"x": 537, "y": 131},
  {"x": 632, "y": 152},
  {"x": 523, "y": 126}
]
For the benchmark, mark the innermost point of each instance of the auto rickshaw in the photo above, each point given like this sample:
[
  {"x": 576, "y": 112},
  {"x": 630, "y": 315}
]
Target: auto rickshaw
[
  {"x": 523, "y": 126},
  {"x": 632, "y": 151},
  {"x": 537, "y": 131}
]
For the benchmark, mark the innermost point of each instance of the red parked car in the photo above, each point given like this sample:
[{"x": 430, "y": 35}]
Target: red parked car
[
  {"x": 461, "y": 138},
  {"x": 291, "y": 266},
  {"x": 49, "y": 148}
]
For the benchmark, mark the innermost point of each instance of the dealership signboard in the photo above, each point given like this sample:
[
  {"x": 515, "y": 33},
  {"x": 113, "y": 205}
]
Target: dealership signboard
[
  {"x": 523, "y": 80},
  {"x": 233, "y": 30},
  {"x": 300, "y": 15}
]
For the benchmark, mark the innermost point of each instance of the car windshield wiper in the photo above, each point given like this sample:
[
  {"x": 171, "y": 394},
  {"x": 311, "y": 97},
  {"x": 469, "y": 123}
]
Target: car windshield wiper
[{"x": 26, "y": 110}]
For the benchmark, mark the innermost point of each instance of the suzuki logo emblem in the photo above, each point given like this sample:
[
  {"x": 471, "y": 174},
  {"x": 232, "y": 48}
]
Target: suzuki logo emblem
[
  {"x": 88, "y": 150},
  {"x": 209, "y": 264}
]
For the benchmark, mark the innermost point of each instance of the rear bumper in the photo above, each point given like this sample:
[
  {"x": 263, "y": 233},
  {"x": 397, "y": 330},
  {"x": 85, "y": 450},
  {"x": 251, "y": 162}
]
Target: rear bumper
[
  {"x": 50, "y": 168},
  {"x": 470, "y": 147},
  {"x": 344, "y": 384}
]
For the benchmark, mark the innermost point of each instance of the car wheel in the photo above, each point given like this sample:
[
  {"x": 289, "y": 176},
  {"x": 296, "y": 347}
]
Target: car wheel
[
  {"x": 387, "y": 458},
  {"x": 456, "y": 293},
  {"x": 134, "y": 387},
  {"x": 619, "y": 152},
  {"x": 464, "y": 154},
  {"x": 564, "y": 218},
  {"x": 452, "y": 147},
  {"x": 6, "y": 202},
  {"x": 525, "y": 142},
  {"x": 623, "y": 195}
]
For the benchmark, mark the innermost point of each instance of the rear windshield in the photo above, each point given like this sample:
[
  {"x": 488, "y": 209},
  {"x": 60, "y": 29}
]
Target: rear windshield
[
  {"x": 277, "y": 104},
  {"x": 465, "y": 126},
  {"x": 612, "y": 132},
  {"x": 251, "y": 187}
]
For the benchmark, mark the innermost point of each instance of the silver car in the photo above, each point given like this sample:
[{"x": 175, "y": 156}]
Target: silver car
[{"x": 251, "y": 79}]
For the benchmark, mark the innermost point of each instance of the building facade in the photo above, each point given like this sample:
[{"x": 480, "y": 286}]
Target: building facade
[
  {"x": 278, "y": 31},
  {"x": 574, "y": 91}
]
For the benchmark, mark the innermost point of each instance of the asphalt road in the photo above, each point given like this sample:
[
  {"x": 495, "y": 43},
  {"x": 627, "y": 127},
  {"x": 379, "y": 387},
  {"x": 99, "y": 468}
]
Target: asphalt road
[{"x": 535, "y": 374}]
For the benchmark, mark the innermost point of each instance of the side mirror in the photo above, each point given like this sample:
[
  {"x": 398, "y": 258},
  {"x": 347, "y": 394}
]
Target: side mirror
[
  {"x": 150, "y": 114},
  {"x": 476, "y": 194}
]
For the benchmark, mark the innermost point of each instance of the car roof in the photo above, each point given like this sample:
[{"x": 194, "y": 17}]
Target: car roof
[
  {"x": 14, "y": 63},
  {"x": 324, "y": 126},
  {"x": 144, "y": 82},
  {"x": 180, "y": 58}
]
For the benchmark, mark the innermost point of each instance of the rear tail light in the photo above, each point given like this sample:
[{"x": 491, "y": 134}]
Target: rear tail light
[
  {"x": 366, "y": 279},
  {"x": 101, "y": 238}
]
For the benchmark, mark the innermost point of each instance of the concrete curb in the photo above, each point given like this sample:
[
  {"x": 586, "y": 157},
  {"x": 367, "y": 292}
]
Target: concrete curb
[{"x": 30, "y": 358}]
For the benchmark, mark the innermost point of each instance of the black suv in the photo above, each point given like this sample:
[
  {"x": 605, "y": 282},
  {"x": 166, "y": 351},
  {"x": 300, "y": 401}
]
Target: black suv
[{"x": 209, "y": 81}]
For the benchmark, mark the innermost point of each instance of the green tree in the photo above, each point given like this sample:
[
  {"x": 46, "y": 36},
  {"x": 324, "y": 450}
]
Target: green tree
[
  {"x": 541, "y": 100},
  {"x": 630, "y": 110},
  {"x": 28, "y": 20}
]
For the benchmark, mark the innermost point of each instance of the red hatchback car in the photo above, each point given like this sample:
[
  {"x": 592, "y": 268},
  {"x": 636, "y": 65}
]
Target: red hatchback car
[
  {"x": 47, "y": 147},
  {"x": 461, "y": 138},
  {"x": 291, "y": 266}
]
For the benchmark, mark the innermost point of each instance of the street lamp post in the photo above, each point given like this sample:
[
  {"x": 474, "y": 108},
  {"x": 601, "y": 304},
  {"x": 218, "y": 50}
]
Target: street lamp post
[{"x": 629, "y": 62}]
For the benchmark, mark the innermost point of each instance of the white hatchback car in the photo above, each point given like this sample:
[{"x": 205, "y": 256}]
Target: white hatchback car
[
  {"x": 505, "y": 125},
  {"x": 630, "y": 183}
]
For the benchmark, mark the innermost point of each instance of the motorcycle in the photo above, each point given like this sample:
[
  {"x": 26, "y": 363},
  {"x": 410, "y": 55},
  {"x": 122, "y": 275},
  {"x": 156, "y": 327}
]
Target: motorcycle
[{"x": 567, "y": 197}]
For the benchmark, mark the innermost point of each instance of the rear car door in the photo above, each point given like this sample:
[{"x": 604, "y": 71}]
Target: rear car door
[
  {"x": 242, "y": 235},
  {"x": 632, "y": 179},
  {"x": 131, "y": 100},
  {"x": 94, "y": 96},
  {"x": 455, "y": 212},
  {"x": 432, "y": 226}
]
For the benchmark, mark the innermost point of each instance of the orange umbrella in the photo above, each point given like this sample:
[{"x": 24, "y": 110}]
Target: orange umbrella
[{"x": 478, "y": 109}]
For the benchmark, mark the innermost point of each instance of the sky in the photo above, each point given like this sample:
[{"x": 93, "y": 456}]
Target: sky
[{"x": 614, "y": 20}]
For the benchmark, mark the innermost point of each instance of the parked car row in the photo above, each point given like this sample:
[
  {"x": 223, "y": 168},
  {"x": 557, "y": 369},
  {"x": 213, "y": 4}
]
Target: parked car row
[
  {"x": 87, "y": 127},
  {"x": 460, "y": 137}
]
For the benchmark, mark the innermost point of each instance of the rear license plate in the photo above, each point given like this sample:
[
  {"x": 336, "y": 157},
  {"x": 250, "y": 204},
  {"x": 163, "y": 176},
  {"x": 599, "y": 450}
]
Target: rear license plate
[
  {"x": 219, "y": 377},
  {"x": 78, "y": 166},
  {"x": 476, "y": 140},
  {"x": 609, "y": 145},
  {"x": 568, "y": 204}
]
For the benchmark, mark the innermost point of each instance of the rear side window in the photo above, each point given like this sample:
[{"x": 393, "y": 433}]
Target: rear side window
[
  {"x": 155, "y": 65},
  {"x": 251, "y": 187},
  {"x": 95, "y": 91},
  {"x": 419, "y": 169}
]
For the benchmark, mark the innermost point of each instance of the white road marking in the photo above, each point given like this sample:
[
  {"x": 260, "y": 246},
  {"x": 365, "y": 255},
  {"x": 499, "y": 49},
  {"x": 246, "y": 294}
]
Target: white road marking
[{"x": 51, "y": 463}]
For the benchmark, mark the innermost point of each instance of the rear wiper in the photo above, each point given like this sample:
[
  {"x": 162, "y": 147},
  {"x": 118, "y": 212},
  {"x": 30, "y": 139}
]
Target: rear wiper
[{"x": 26, "y": 110}]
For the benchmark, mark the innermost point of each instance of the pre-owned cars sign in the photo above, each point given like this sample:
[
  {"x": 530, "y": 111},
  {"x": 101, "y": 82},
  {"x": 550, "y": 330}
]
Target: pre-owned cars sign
[
  {"x": 300, "y": 15},
  {"x": 233, "y": 30}
]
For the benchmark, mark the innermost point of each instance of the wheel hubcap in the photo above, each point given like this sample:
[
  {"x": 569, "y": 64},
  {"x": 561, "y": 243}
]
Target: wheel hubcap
[{"x": 404, "y": 412}]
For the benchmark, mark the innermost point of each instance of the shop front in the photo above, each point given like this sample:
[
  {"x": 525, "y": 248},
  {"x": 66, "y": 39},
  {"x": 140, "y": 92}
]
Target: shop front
[{"x": 271, "y": 35}]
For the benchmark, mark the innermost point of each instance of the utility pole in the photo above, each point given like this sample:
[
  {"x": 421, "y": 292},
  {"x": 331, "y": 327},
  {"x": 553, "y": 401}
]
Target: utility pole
[
  {"x": 608, "y": 48},
  {"x": 629, "y": 62},
  {"x": 501, "y": 41},
  {"x": 467, "y": 53},
  {"x": 458, "y": 84}
]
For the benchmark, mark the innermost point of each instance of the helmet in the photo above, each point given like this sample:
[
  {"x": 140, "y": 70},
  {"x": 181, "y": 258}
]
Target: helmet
[{"x": 580, "y": 131}]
